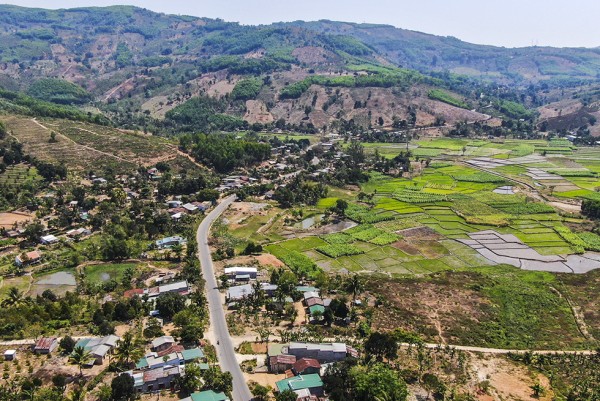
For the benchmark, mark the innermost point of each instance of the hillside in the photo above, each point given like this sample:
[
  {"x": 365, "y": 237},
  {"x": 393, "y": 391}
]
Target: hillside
[
  {"x": 135, "y": 66},
  {"x": 426, "y": 52}
]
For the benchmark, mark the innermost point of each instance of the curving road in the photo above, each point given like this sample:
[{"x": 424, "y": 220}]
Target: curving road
[{"x": 225, "y": 350}]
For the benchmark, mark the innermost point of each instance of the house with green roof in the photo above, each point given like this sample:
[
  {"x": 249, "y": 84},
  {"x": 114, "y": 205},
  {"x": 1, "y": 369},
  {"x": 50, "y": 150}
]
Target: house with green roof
[
  {"x": 208, "y": 395},
  {"x": 302, "y": 383}
]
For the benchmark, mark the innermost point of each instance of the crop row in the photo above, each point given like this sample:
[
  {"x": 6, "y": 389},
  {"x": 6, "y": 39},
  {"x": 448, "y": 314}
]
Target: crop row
[
  {"x": 337, "y": 238},
  {"x": 362, "y": 214},
  {"x": 416, "y": 196},
  {"x": 526, "y": 208},
  {"x": 368, "y": 234},
  {"x": 591, "y": 240},
  {"x": 483, "y": 178},
  {"x": 385, "y": 239},
  {"x": 339, "y": 250},
  {"x": 572, "y": 238}
]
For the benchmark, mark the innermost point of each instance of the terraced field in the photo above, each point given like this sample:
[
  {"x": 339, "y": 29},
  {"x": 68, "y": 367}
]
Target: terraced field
[{"x": 85, "y": 146}]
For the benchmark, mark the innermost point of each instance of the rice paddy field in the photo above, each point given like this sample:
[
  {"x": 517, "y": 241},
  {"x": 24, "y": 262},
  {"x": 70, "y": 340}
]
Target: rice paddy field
[{"x": 412, "y": 225}]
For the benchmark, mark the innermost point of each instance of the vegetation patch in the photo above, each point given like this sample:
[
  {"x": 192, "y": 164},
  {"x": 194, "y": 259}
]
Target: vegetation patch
[
  {"x": 338, "y": 250},
  {"x": 443, "y": 96}
]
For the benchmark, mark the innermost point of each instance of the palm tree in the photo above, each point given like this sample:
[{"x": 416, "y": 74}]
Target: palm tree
[
  {"x": 355, "y": 286},
  {"x": 14, "y": 297},
  {"x": 80, "y": 357},
  {"x": 128, "y": 349}
]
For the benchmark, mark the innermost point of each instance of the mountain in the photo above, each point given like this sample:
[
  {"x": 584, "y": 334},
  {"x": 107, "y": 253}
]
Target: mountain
[
  {"x": 428, "y": 53},
  {"x": 152, "y": 71}
]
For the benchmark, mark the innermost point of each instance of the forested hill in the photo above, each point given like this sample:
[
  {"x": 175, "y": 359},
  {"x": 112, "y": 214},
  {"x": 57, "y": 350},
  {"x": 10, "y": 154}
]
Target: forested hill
[
  {"x": 425, "y": 52},
  {"x": 96, "y": 41},
  {"x": 168, "y": 73}
]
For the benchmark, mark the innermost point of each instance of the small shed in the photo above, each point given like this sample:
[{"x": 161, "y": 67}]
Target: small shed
[
  {"x": 45, "y": 345},
  {"x": 10, "y": 355}
]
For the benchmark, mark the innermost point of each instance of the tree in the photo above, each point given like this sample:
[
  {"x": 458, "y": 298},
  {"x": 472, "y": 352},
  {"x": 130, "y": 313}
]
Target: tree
[
  {"x": 538, "y": 390},
  {"x": 189, "y": 323},
  {"x": 337, "y": 381},
  {"x": 122, "y": 388},
  {"x": 77, "y": 394},
  {"x": 3, "y": 130},
  {"x": 355, "y": 286},
  {"x": 80, "y": 357},
  {"x": 33, "y": 232},
  {"x": 129, "y": 349},
  {"x": 371, "y": 383},
  {"x": 13, "y": 298},
  {"x": 169, "y": 304},
  {"x": 192, "y": 379},
  {"x": 153, "y": 329},
  {"x": 381, "y": 345},
  {"x": 260, "y": 392},
  {"x": 432, "y": 384},
  {"x": 67, "y": 344},
  {"x": 340, "y": 207},
  {"x": 286, "y": 395},
  {"x": 216, "y": 380},
  {"x": 356, "y": 151}
]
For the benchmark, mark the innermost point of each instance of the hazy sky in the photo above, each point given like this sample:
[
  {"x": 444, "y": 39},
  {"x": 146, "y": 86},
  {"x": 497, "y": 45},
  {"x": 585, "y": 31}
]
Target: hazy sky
[{"x": 510, "y": 23}]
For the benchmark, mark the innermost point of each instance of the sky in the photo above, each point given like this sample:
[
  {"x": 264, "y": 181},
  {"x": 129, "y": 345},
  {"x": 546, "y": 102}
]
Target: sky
[{"x": 509, "y": 23}]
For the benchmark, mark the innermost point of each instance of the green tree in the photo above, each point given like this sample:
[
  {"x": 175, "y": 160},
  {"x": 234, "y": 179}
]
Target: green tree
[
  {"x": 376, "y": 381},
  {"x": 216, "y": 380},
  {"x": 260, "y": 392},
  {"x": 80, "y": 357},
  {"x": 33, "y": 232},
  {"x": 286, "y": 395},
  {"x": 169, "y": 304},
  {"x": 381, "y": 345},
  {"x": 355, "y": 286},
  {"x": 122, "y": 388},
  {"x": 67, "y": 344},
  {"x": 129, "y": 349},
  {"x": 191, "y": 381},
  {"x": 13, "y": 298}
]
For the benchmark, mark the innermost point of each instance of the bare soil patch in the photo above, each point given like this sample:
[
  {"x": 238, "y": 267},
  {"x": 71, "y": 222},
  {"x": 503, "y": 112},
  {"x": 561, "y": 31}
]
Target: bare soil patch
[{"x": 9, "y": 219}]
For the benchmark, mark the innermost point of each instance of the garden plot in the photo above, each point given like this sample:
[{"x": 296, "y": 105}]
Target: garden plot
[
  {"x": 508, "y": 249},
  {"x": 541, "y": 175},
  {"x": 487, "y": 162},
  {"x": 505, "y": 190}
]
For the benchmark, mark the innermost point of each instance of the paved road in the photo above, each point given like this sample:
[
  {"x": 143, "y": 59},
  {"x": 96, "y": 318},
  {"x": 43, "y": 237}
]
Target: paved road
[{"x": 225, "y": 350}]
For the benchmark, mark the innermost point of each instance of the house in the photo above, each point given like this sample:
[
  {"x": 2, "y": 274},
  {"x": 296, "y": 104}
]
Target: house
[
  {"x": 238, "y": 292},
  {"x": 153, "y": 380},
  {"x": 180, "y": 287},
  {"x": 241, "y": 273},
  {"x": 98, "y": 347},
  {"x": 301, "y": 383},
  {"x": 45, "y": 345},
  {"x": 162, "y": 343},
  {"x": 169, "y": 242},
  {"x": 208, "y": 395},
  {"x": 316, "y": 310},
  {"x": 28, "y": 258},
  {"x": 174, "y": 203},
  {"x": 323, "y": 352},
  {"x": 281, "y": 363},
  {"x": 79, "y": 232},
  {"x": 314, "y": 301},
  {"x": 10, "y": 355},
  {"x": 305, "y": 366},
  {"x": 134, "y": 292},
  {"x": 99, "y": 181},
  {"x": 190, "y": 208},
  {"x": 48, "y": 239}
]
